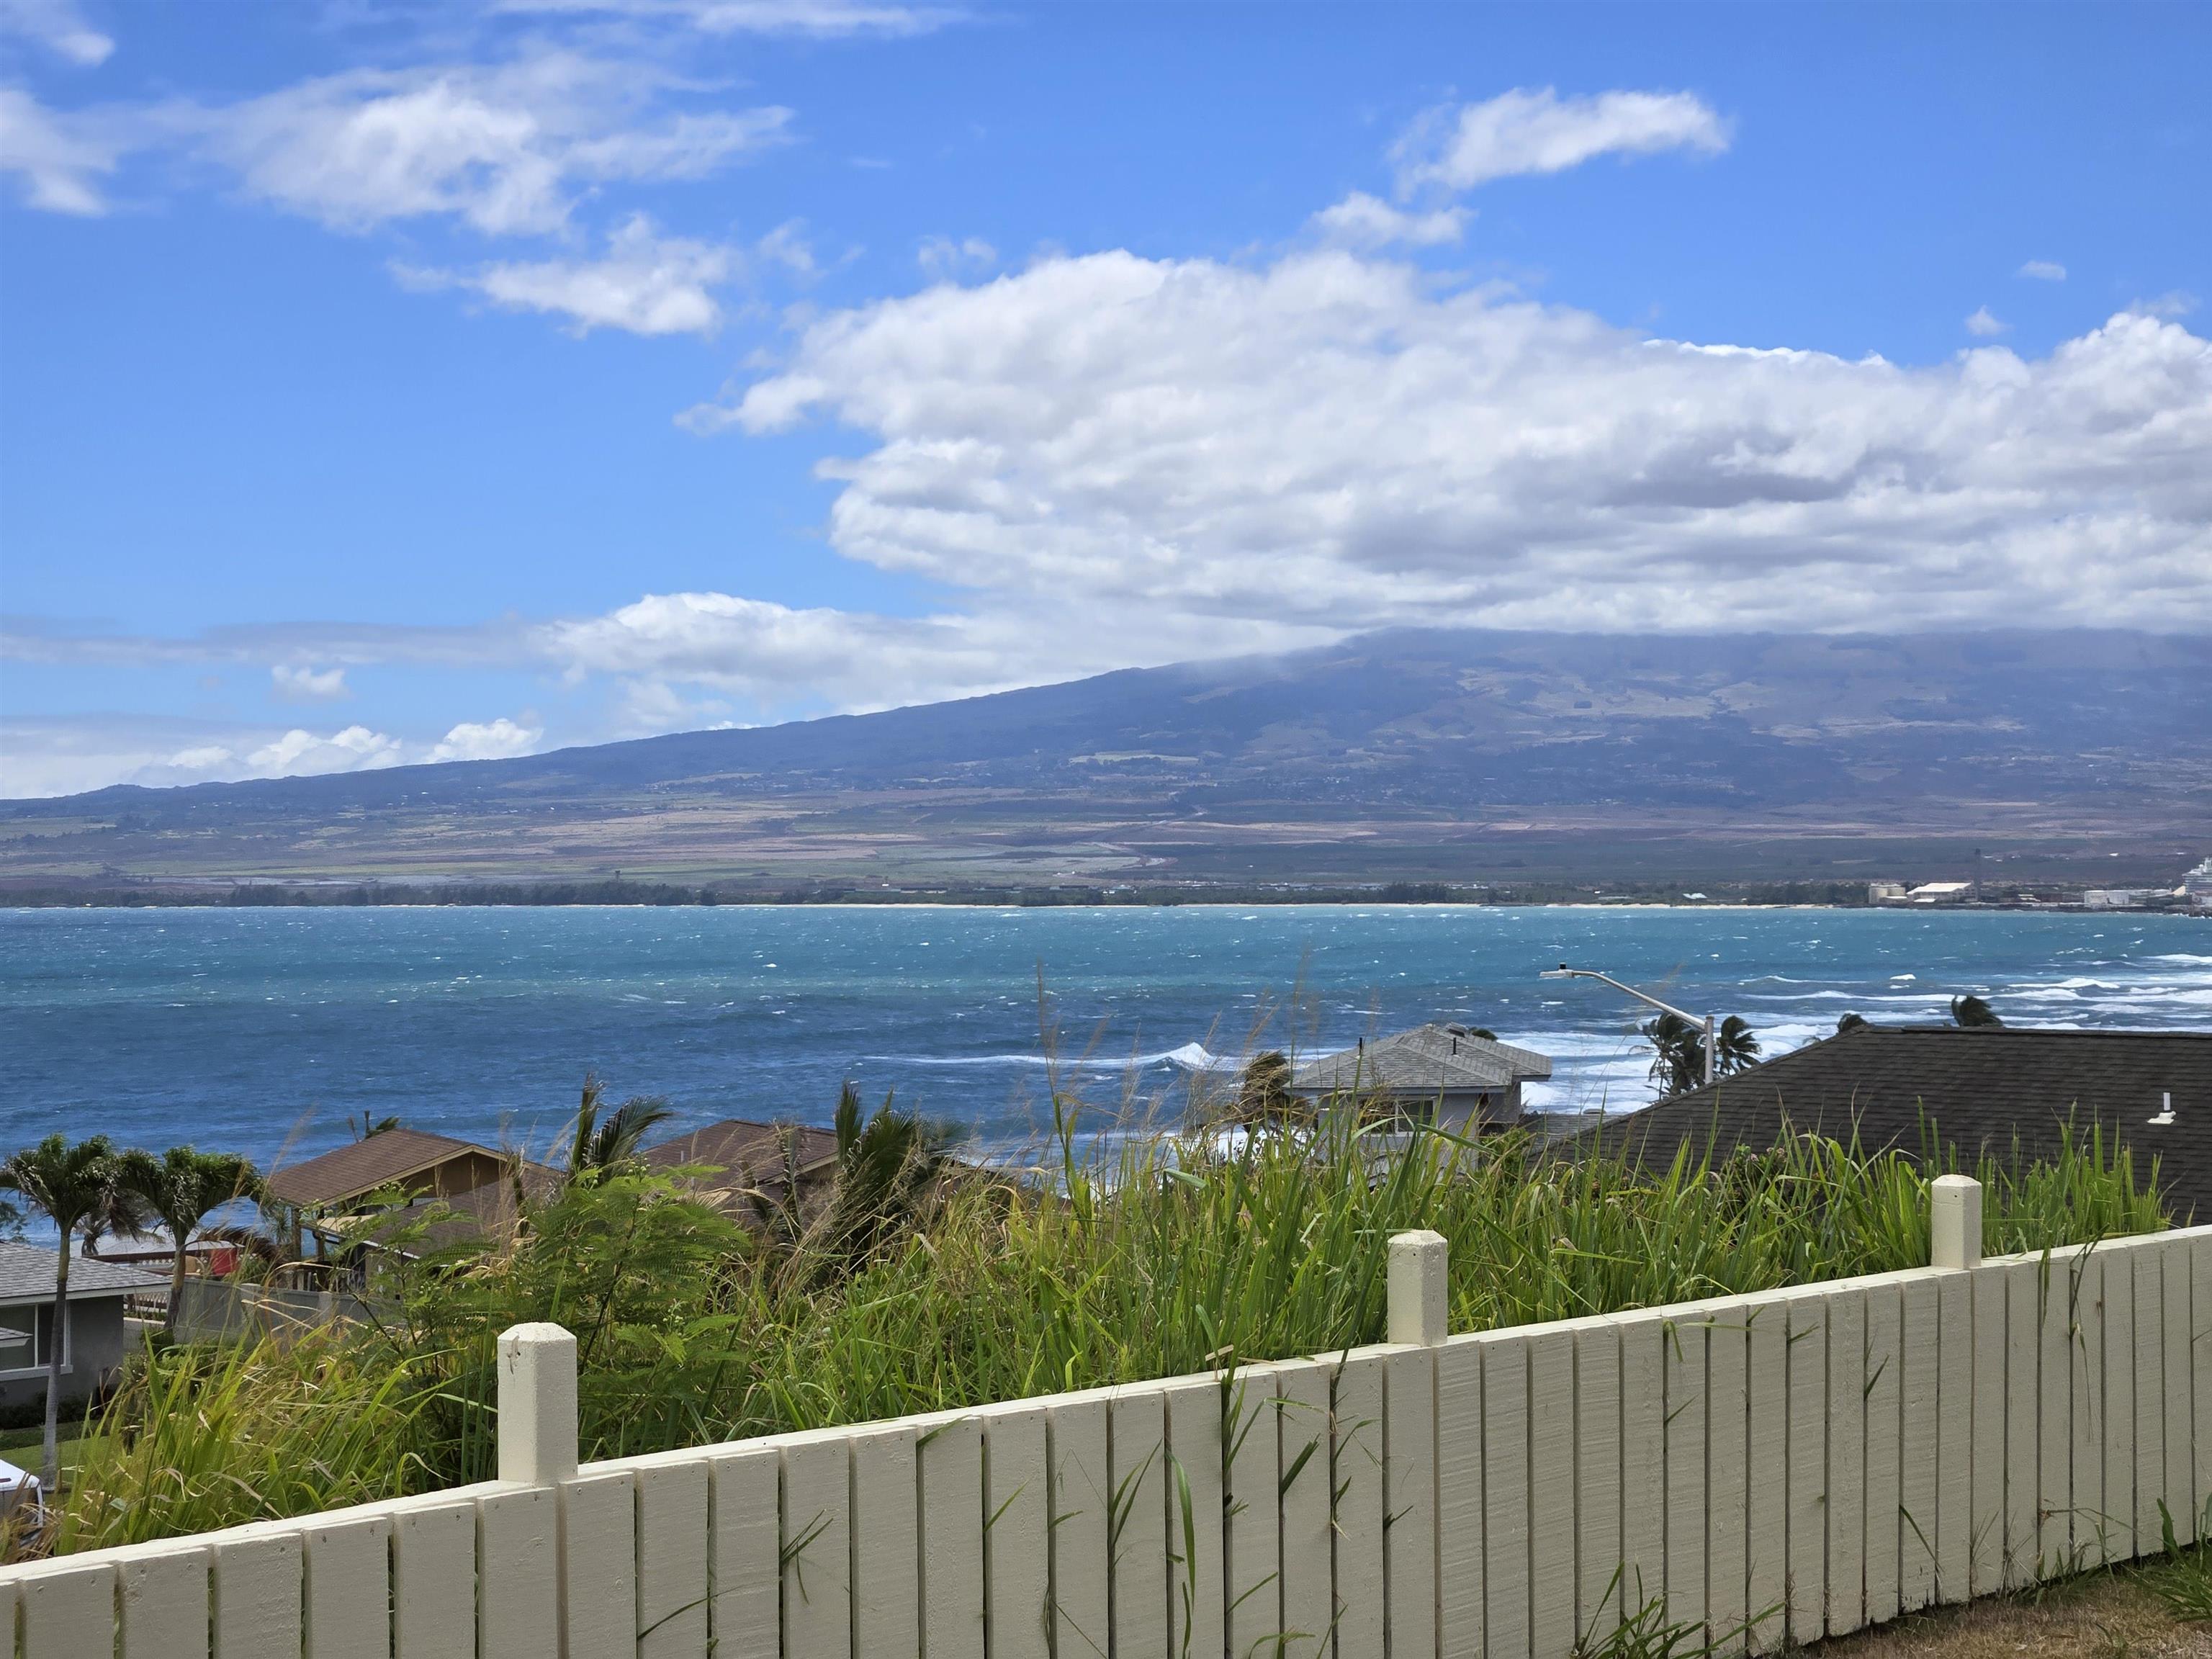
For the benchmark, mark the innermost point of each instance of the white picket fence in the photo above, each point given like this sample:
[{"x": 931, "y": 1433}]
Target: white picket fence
[{"x": 1797, "y": 1462}]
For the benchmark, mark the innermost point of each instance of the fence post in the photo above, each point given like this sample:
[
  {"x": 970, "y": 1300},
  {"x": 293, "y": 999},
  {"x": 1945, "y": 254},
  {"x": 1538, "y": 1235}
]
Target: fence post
[
  {"x": 1420, "y": 1311},
  {"x": 536, "y": 1404},
  {"x": 1954, "y": 1216}
]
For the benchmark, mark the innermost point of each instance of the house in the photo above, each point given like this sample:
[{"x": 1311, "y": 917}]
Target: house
[
  {"x": 92, "y": 1336},
  {"x": 419, "y": 1164},
  {"x": 1981, "y": 1088},
  {"x": 1942, "y": 892},
  {"x": 753, "y": 1163},
  {"x": 1444, "y": 1074}
]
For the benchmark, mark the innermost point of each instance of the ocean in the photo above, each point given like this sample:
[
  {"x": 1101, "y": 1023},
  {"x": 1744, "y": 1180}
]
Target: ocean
[{"x": 267, "y": 1031}]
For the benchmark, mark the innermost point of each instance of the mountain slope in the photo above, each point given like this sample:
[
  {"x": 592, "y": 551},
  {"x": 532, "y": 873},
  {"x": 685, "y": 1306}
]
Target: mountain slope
[{"x": 1410, "y": 742}]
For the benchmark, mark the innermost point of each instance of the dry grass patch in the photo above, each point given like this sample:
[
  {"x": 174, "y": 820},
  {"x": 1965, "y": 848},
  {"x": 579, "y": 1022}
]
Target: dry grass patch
[{"x": 2099, "y": 1615}]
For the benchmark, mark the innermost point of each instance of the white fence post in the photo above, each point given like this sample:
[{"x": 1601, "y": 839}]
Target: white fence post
[
  {"x": 1955, "y": 1222},
  {"x": 536, "y": 1404},
  {"x": 1420, "y": 1311}
]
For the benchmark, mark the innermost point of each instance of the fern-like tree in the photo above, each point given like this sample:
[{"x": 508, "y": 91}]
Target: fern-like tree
[
  {"x": 1735, "y": 1045},
  {"x": 1970, "y": 1011},
  {"x": 183, "y": 1188},
  {"x": 1678, "y": 1058},
  {"x": 69, "y": 1182}
]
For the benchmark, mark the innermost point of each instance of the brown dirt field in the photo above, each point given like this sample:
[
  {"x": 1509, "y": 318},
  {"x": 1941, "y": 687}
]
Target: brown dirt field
[{"x": 2096, "y": 1616}]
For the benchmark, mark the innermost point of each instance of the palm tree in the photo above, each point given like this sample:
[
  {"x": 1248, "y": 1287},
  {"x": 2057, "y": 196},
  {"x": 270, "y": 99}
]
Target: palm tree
[
  {"x": 1851, "y": 1023},
  {"x": 1970, "y": 1011},
  {"x": 182, "y": 1187},
  {"x": 602, "y": 1145},
  {"x": 885, "y": 1168},
  {"x": 69, "y": 1182},
  {"x": 1735, "y": 1045},
  {"x": 1263, "y": 1094},
  {"x": 1679, "y": 1063}
]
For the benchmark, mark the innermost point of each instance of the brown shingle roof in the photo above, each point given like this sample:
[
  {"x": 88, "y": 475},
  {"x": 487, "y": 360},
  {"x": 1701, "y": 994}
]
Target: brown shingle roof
[
  {"x": 1980, "y": 1087},
  {"x": 366, "y": 1165}
]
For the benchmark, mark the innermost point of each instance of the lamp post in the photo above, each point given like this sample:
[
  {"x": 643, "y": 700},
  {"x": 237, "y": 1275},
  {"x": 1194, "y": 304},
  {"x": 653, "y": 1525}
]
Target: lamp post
[{"x": 1706, "y": 1021}]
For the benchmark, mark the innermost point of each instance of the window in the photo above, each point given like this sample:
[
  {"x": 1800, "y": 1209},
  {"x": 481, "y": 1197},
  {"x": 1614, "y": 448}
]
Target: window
[{"x": 22, "y": 1337}]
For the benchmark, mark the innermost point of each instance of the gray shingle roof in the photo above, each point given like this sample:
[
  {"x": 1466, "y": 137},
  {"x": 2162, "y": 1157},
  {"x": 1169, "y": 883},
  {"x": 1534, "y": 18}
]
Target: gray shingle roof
[
  {"x": 26, "y": 1274},
  {"x": 1426, "y": 1060},
  {"x": 1981, "y": 1087}
]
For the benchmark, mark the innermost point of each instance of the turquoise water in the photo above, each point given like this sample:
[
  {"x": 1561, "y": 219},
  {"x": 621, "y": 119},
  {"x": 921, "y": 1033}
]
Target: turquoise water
[{"x": 265, "y": 1030}]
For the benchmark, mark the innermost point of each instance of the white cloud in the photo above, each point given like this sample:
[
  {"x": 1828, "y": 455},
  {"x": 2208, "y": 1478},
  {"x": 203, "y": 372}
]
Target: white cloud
[
  {"x": 1984, "y": 326},
  {"x": 2044, "y": 270},
  {"x": 1525, "y": 131},
  {"x": 821, "y": 19},
  {"x": 647, "y": 283},
  {"x": 300, "y": 683},
  {"x": 58, "y": 25},
  {"x": 299, "y": 753},
  {"x": 60, "y": 159},
  {"x": 488, "y": 740},
  {"x": 943, "y": 259},
  {"x": 505, "y": 148},
  {"x": 1361, "y": 220},
  {"x": 1111, "y": 445}
]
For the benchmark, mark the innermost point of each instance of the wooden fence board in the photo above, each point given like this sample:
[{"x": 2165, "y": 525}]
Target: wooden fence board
[
  {"x": 1884, "y": 1374},
  {"x": 816, "y": 1552},
  {"x": 2089, "y": 1521},
  {"x": 1598, "y": 1609},
  {"x": 1459, "y": 1499},
  {"x": 886, "y": 1569},
  {"x": 2023, "y": 1420},
  {"x": 1728, "y": 1471},
  {"x": 1409, "y": 1503},
  {"x": 2055, "y": 1367},
  {"x": 2116, "y": 1360},
  {"x": 1082, "y": 1500},
  {"x": 1192, "y": 1482},
  {"x": 2178, "y": 1483},
  {"x": 1017, "y": 1532},
  {"x": 1552, "y": 1491},
  {"x": 1687, "y": 1406},
  {"x": 1356, "y": 1467},
  {"x": 434, "y": 1579},
  {"x": 1919, "y": 1405},
  {"x": 675, "y": 1536},
  {"x": 518, "y": 1573},
  {"x": 348, "y": 1588},
  {"x": 1957, "y": 1336},
  {"x": 1643, "y": 1342},
  {"x": 2200, "y": 1369},
  {"x": 745, "y": 1615},
  {"x": 1847, "y": 1337},
  {"x": 599, "y": 1564},
  {"x": 68, "y": 1610},
  {"x": 1985, "y": 1543},
  {"x": 951, "y": 1453},
  {"x": 1808, "y": 1452},
  {"x": 1506, "y": 1495},
  {"x": 161, "y": 1603},
  {"x": 1136, "y": 1453},
  {"x": 1766, "y": 1543},
  {"x": 2145, "y": 1264},
  {"x": 1301, "y": 1410},
  {"x": 1252, "y": 1513}
]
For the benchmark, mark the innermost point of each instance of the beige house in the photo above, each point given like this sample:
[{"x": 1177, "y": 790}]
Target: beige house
[{"x": 1444, "y": 1075}]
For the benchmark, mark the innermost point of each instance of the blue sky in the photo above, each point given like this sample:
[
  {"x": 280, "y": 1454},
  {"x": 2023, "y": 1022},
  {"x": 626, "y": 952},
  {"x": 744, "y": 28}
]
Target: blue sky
[{"x": 388, "y": 383}]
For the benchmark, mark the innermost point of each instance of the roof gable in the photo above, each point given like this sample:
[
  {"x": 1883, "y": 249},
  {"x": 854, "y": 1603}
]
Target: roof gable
[
  {"x": 349, "y": 1171},
  {"x": 1428, "y": 1059}
]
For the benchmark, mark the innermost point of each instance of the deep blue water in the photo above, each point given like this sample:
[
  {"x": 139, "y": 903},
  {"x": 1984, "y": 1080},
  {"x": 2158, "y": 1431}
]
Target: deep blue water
[{"x": 265, "y": 1030}]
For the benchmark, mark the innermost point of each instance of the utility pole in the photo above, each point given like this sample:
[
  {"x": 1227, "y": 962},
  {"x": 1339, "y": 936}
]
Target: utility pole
[{"x": 1705, "y": 1021}]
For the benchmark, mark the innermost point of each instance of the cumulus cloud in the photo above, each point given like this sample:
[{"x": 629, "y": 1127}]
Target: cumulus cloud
[
  {"x": 503, "y": 148},
  {"x": 1333, "y": 442},
  {"x": 2044, "y": 270},
  {"x": 293, "y": 682},
  {"x": 59, "y": 26},
  {"x": 1526, "y": 132},
  {"x": 59, "y": 161},
  {"x": 1984, "y": 326},
  {"x": 647, "y": 283},
  {"x": 299, "y": 752},
  {"x": 1368, "y": 222},
  {"x": 487, "y": 740}
]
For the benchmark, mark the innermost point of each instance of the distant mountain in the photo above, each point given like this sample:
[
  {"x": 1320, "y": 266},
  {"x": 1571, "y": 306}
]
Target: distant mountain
[{"x": 1431, "y": 752}]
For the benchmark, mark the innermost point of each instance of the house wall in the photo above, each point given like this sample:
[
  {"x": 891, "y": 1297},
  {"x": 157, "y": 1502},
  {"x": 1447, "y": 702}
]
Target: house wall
[{"x": 95, "y": 1352}]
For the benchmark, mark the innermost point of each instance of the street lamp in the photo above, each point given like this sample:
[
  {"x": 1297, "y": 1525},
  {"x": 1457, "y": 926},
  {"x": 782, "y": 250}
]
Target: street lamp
[{"x": 1565, "y": 972}]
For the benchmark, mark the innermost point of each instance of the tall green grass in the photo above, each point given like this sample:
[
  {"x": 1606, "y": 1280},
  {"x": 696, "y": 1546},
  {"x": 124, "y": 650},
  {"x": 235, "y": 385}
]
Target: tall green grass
[{"x": 1134, "y": 1259}]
